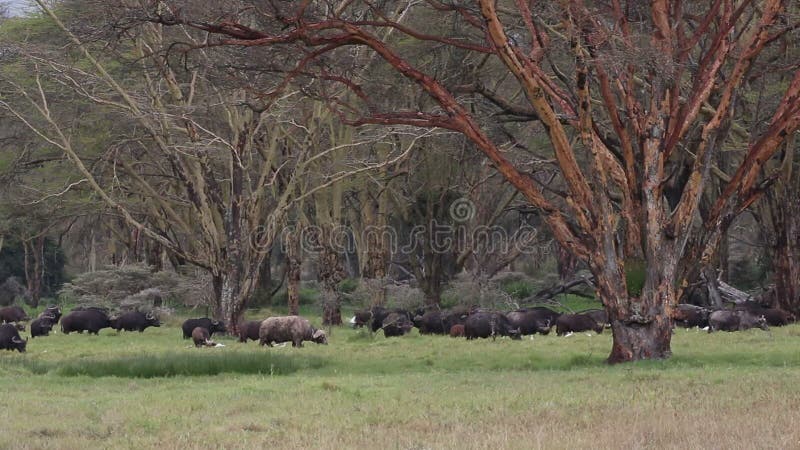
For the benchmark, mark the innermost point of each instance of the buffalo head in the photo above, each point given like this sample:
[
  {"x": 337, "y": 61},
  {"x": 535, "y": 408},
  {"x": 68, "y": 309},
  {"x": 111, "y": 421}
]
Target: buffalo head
[
  {"x": 19, "y": 344},
  {"x": 319, "y": 337},
  {"x": 152, "y": 320}
]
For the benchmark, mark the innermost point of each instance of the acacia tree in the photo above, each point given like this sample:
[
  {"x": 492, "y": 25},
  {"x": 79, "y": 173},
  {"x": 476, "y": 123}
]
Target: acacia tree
[
  {"x": 622, "y": 86},
  {"x": 202, "y": 166}
]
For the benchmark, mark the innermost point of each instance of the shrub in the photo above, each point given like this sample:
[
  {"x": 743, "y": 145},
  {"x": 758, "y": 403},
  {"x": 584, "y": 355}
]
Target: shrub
[
  {"x": 135, "y": 286},
  {"x": 348, "y": 285},
  {"x": 518, "y": 289}
]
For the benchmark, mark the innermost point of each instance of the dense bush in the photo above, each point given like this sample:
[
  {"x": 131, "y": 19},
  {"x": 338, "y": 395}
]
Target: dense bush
[{"x": 135, "y": 286}]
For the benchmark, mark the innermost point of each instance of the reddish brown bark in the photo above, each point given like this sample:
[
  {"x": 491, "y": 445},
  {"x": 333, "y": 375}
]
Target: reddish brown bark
[{"x": 658, "y": 114}]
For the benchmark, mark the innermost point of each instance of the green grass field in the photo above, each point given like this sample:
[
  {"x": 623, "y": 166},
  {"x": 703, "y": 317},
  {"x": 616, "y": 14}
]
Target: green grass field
[{"x": 153, "y": 390}]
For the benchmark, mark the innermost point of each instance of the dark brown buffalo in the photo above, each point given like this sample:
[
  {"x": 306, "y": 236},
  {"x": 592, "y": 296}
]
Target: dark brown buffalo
[
  {"x": 10, "y": 340},
  {"x": 42, "y": 325},
  {"x": 489, "y": 324},
  {"x": 13, "y": 313},
  {"x": 738, "y": 320},
  {"x": 200, "y": 337},
  {"x": 599, "y": 315},
  {"x": 135, "y": 321},
  {"x": 249, "y": 330},
  {"x": 374, "y": 317},
  {"x": 53, "y": 311},
  {"x": 574, "y": 323},
  {"x": 213, "y": 326},
  {"x": 396, "y": 324},
  {"x": 457, "y": 330},
  {"x": 690, "y": 316},
  {"x": 91, "y": 320},
  {"x": 440, "y": 322},
  {"x": 777, "y": 317},
  {"x": 533, "y": 320}
]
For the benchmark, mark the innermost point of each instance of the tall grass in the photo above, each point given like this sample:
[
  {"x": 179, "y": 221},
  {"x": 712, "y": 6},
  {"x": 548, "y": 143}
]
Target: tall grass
[{"x": 177, "y": 364}]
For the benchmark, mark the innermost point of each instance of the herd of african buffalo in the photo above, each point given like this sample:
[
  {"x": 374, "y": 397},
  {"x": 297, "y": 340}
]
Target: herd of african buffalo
[
  {"x": 467, "y": 322},
  {"x": 475, "y": 322}
]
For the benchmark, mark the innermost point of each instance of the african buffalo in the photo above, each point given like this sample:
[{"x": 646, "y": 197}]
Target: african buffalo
[
  {"x": 200, "y": 337},
  {"x": 361, "y": 318},
  {"x": 573, "y": 323},
  {"x": 91, "y": 320},
  {"x": 489, "y": 324},
  {"x": 530, "y": 321},
  {"x": 440, "y": 322},
  {"x": 135, "y": 321},
  {"x": 599, "y": 315},
  {"x": 294, "y": 329},
  {"x": 738, "y": 320},
  {"x": 249, "y": 330},
  {"x": 457, "y": 330},
  {"x": 13, "y": 313},
  {"x": 53, "y": 311},
  {"x": 213, "y": 326},
  {"x": 10, "y": 340},
  {"x": 396, "y": 324},
  {"x": 379, "y": 314},
  {"x": 42, "y": 325},
  {"x": 690, "y": 316},
  {"x": 777, "y": 317}
]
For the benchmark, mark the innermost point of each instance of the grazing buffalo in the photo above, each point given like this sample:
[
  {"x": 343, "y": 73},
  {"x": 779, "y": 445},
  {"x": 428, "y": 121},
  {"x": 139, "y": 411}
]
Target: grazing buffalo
[
  {"x": 489, "y": 324},
  {"x": 738, "y": 320},
  {"x": 530, "y": 321},
  {"x": 294, "y": 329},
  {"x": 135, "y": 321},
  {"x": 599, "y": 315},
  {"x": 13, "y": 313},
  {"x": 440, "y": 322},
  {"x": 379, "y": 314},
  {"x": 53, "y": 311},
  {"x": 10, "y": 340},
  {"x": 396, "y": 324},
  {"x": 200, "y": 337},
  {"x": 361, "y": 318},
  {"x": 42, "y": 325},
  {"x": 213, "y": 326},
  {"x": 457, "y": 330},
  {"x": 573, "y": 323},
  {"x": 777, "y": 317},
  {"x": 91, "y": 320},
  {"x": 249, "y": 330}
]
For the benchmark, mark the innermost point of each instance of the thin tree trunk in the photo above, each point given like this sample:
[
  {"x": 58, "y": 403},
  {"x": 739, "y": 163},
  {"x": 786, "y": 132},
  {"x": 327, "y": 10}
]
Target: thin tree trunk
[
  {"x": 331, "y": 273},
  {"x": 567, "y": 264},
  {"x": 38, "y": 271},
  {"x": 786, "y": 258},
  {"x": 293, "y": 271}
]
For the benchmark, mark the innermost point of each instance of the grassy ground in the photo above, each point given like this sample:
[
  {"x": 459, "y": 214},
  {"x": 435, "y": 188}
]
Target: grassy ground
[{"x": 131, "y": 390}]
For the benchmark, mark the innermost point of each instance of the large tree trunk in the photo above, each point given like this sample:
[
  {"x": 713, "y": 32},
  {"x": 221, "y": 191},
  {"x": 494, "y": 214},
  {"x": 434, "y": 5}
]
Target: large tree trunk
[{"x": 641, "y": 325}]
